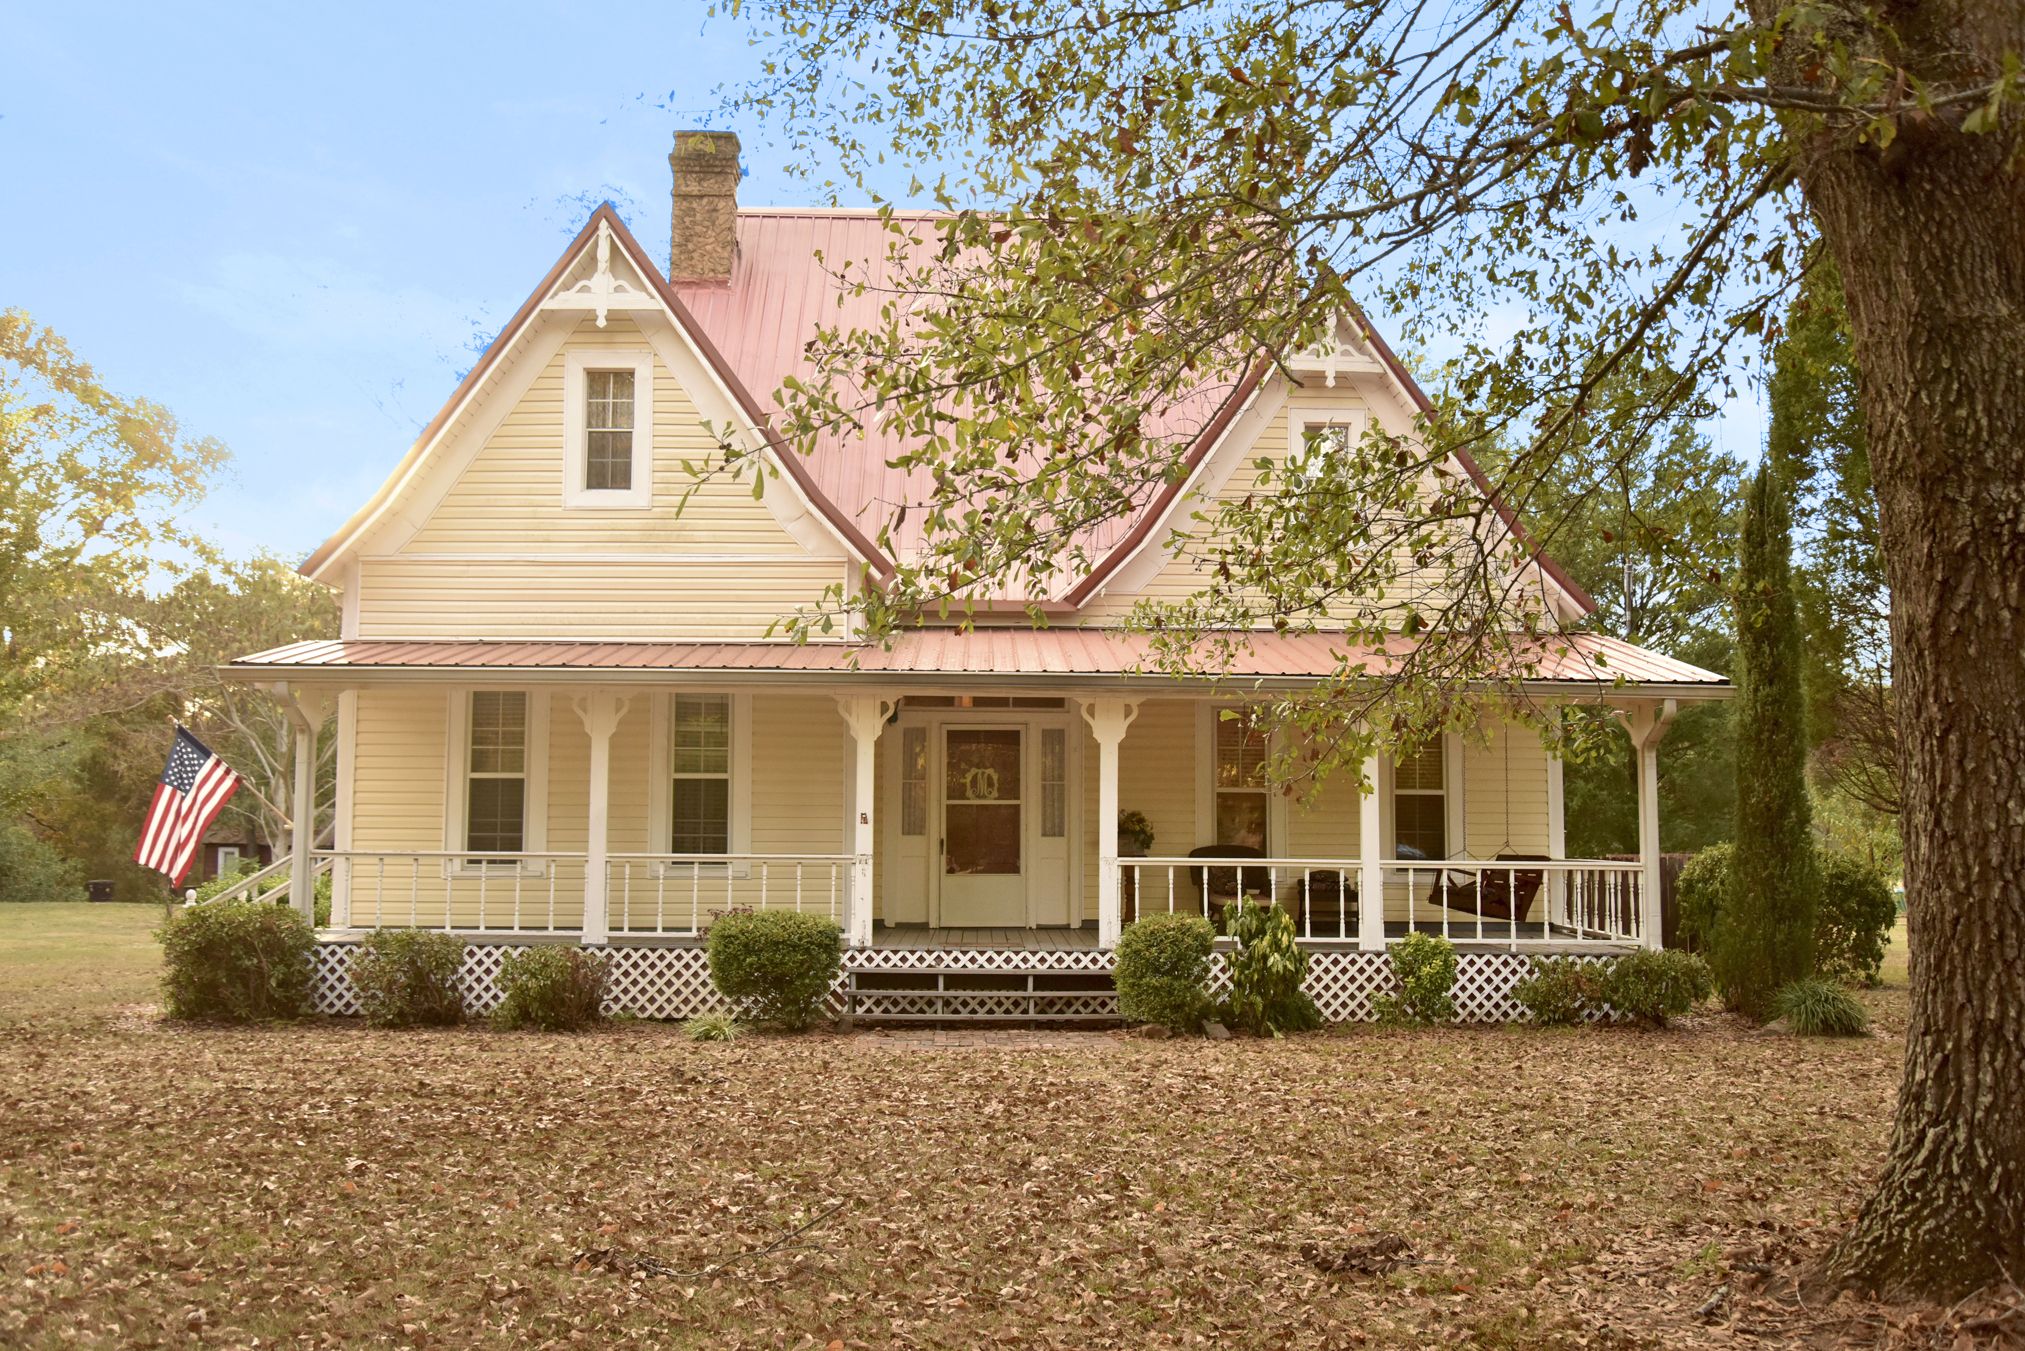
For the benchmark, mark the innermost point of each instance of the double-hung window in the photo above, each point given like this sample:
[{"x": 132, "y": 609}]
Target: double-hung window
[
  {"x": 1242, "y": 798},
  {"x": 608, "y": 429},
  {"x": 700, "y": 766},
  {"x": 495, "y": 796},
  {"x": 1420, "y": 802}
]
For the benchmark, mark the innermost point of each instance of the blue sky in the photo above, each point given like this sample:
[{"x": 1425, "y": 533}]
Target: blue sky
[
  {"x": 294, "y": 228},
  {"x": 291, "y": 227}
]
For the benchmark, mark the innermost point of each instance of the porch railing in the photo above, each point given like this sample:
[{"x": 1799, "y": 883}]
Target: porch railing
[
  {"x": 268, "y": 884},
  {"x": 680, "y": 893},
  {"x": 467, "y": 889},
  {"x": 1562, "y": 901}
]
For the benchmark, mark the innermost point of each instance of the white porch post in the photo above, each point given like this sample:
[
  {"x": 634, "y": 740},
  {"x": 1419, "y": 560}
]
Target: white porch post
[
  {"x": 1108, "y": 719},
  {"x": 1370, "y": 846},
  {"x": 865, "y": 715},
  {"x": 305, "y": 711},
  {"x": 600, "y": 711},
  {"x": 1647, "y": 724}
]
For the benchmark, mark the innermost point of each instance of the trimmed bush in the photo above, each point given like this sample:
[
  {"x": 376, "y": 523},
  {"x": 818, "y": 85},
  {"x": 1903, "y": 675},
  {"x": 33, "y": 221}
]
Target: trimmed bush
[
  {"x": 1162, "y": 969},
  {"x": 1821, "y": 1008},
  {"x": 1701, "y": 895},
  {"x": 711, "y": 1027},
  {"x": 776, "y": 966},
  {"x": 1425, "y": 967},
  {"x": 236, "y": 962},
  {"x": 1266, "y": 971},
  {"x": 1560, "y": 991},
  {"x": 1653, "y": 987},
  {"x": 410, "y": 978},
  {"x": 551, "y": 989},
  {"x": 1854, "y": 923}
]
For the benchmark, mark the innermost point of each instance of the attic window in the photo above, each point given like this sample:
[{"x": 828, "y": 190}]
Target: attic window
[{"x": 608, "y": 429}]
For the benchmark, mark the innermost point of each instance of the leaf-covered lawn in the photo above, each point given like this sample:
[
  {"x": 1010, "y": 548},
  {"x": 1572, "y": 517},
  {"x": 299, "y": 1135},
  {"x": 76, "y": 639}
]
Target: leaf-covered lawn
[{"x": 323, "y": 1184}]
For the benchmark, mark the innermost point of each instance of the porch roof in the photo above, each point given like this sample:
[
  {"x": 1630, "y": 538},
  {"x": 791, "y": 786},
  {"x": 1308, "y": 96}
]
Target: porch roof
[{"x": 1569, "y": 663}]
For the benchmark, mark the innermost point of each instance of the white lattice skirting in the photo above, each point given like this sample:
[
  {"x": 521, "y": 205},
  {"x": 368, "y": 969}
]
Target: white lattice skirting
[{"x": 674, "y": 982}]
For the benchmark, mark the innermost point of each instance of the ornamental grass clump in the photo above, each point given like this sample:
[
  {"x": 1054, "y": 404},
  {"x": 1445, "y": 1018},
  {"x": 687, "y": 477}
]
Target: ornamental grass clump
[
  {"x": 1821, "y": 1008},
  {"x": 1425, "y": 965},
  {"x": 1163, "y": 971},
  {"x": 1560, "y": 991},
  {"x": 1266, "y": 971},
  {"x": 410, "y": 978},
  {"x": 776, "y": 966},
  {"x": 236, "y": 962},
  {"x": 551, "y": 989},
  {"x": 711, "y": 1027}
]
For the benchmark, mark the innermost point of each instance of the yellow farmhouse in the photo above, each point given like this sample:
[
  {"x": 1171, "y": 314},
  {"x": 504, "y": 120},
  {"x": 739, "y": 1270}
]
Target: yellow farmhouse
[{"x": 560, "y": 715}]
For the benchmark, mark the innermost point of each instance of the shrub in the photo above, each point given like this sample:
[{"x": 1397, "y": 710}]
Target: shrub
[
  {"x": 236, "y": 962},
  {"x": 1701, "y": 894},
  {"x": 1857, "y": 912},
  {"x": 551, "y": 989},
  {"x": 1162, "y": 968},
  {"x": 1560, "y": 991},
  {"x": 410, "y": 978},
  {"x": 276, "y": 889},
  {"x": 1821, "y": 1008},
  {"x": 1266, "y": 971},
  {"x": 775, "y": 965},
  {"x": 1653, "y": 987},
  {"x": 1425, "y": 967},
  {"x": 1852, "y": 925}
]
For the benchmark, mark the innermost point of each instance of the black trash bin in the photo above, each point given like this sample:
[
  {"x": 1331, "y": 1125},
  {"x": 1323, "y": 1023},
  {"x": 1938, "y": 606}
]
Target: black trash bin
[{"x": 99, "y": 891}]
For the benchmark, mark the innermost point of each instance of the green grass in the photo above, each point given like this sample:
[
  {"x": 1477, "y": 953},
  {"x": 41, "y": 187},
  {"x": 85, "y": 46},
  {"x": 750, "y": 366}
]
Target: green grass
[
  {"x": 71, "y": 962},
  {"x": 1894, "y": 971}
]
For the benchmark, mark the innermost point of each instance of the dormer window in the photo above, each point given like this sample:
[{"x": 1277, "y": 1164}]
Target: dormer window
[{"x": 608, "y": 429}]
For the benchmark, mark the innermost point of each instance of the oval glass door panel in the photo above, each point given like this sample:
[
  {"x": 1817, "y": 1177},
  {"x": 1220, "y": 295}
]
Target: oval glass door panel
[{"x": 981, "y": 802}]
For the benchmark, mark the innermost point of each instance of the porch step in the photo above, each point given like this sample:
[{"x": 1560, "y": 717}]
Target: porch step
[{"x": 966, "y": 995}]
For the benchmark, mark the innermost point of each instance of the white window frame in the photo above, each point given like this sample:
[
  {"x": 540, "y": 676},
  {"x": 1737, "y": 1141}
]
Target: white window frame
[
  {"x": 1278, "y": 820},
  {"x": 1299, "y": 420},
  {"x": 457, "y": 779},
  {"x": 577, "y": 367},
  {"x": 1454, "y": 821},
  {"x": 661, "y": 779}
]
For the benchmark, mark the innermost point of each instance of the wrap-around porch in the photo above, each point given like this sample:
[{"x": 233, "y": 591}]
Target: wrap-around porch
[{"x": 925, "y": 819}]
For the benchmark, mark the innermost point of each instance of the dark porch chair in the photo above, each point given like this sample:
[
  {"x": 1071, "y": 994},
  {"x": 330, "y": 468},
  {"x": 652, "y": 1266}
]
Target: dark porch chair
[
  {"x": 1328, "y": 905},
  {"x": 1227, "y": 883}
]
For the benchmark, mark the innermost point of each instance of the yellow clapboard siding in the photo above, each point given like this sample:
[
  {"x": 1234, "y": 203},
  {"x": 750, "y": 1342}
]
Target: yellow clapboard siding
[{"x": 416, "y": 597}]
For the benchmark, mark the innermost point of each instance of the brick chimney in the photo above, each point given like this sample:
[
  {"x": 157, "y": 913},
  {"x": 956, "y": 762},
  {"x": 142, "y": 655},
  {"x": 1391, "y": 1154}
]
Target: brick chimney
[{"x": 706, "y": 205}]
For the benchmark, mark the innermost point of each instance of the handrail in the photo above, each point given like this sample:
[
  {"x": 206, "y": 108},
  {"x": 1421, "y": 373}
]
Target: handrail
[{"x": 248, "y": 887}]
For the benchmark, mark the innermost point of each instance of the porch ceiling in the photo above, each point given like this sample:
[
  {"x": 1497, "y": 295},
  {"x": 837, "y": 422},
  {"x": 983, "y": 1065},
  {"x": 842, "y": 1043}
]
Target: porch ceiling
[{"x": 1573, "y": 663}]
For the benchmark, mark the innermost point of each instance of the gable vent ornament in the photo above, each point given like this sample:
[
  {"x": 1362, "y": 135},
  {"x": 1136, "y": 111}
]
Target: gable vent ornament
[{"x": 602, "y": 291}]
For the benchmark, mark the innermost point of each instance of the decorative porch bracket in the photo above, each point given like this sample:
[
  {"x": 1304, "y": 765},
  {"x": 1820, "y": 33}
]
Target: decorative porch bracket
[
  {"x": 600, "y": 711},
  {"x": 1108, "y": 719},
  {"x": 865, "y": 715},
  {"x": 1647, "y": 724},
  {"x": 305, "y": 714}
]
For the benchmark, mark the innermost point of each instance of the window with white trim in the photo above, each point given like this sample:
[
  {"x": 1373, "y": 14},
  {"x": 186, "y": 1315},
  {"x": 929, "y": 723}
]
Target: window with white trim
[
  {"x": 1328, "y": 431},
  {"x": 1054, "y": 782},
  {"x": 1420, "y": 802},
  {"x": 608, "y": 429},
  {"x": 700, "y": 770},
  {"x": 495, "y": 788},
  {"x": 1241, "y": 796}
]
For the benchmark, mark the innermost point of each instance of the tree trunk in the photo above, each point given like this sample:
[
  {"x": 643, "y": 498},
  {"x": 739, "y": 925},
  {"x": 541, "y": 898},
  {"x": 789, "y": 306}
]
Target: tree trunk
[{"x": 1930, "y": 235}]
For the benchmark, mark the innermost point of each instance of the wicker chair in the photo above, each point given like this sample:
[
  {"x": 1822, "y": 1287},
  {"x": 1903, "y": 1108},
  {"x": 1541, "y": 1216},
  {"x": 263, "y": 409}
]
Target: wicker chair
[
  {"x": 1328, "y": 905},
  {"x": 1226, "y": 883}
]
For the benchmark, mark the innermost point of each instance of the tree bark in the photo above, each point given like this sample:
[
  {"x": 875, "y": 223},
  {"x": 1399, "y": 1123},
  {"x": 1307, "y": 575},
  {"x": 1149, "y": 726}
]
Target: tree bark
[{"x": 1930, "y": 236}]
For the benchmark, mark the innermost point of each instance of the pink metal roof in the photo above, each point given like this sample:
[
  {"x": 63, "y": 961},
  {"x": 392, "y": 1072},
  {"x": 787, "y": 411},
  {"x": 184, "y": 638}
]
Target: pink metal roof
[
  {"x": 1016, "y": 654},
  {"x": 784, "y": 286}
]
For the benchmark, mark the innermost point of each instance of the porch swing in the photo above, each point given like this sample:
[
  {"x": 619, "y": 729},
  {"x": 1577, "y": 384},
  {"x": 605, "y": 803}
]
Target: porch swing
[{"x": 1506, "y": 894}]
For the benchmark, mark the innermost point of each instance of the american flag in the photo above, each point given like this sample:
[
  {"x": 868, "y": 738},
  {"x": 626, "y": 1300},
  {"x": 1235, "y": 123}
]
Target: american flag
[{"x": 194, "y": 789}]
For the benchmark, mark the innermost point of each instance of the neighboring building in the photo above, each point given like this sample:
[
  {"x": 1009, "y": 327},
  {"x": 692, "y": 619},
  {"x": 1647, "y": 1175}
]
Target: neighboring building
[
  {"x": 560, "y": 713},
  {"x": 228, "y": 848}
]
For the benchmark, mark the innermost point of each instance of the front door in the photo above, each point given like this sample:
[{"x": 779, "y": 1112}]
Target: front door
[{"x": 983, "y": 826}]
